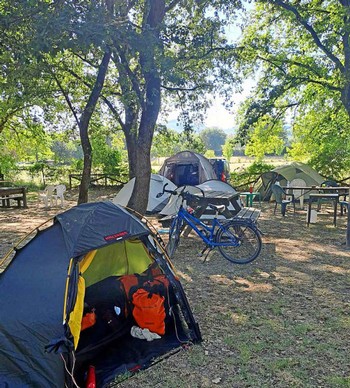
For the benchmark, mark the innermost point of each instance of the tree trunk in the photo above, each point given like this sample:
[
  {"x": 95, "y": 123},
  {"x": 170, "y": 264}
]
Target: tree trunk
[
  {"x": 130, "y": 132},
  {"x": 345, "y": 96},
  {"x": 84, "y": 126},
  {"x": 139, "y": 198},
  {"x": 140, "y": 158}
]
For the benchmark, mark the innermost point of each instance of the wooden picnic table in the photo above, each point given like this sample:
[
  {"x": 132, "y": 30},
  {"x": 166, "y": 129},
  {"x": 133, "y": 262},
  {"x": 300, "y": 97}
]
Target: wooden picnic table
[
  {"x": 8, "y": 194},
  {"x": 219, "y": 199}
]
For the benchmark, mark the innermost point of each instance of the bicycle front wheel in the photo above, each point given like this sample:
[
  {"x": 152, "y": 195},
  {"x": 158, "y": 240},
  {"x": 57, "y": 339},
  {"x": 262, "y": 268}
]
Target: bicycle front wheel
[
  {"x": 174, "y": 236},
  {"x": 240, "y": 242}
]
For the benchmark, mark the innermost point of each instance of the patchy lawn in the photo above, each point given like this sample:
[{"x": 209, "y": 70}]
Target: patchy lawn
[{"x": 280, "y": 321}]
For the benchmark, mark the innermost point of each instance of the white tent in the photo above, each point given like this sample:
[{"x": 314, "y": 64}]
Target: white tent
[{"x": 156, "y": 186}]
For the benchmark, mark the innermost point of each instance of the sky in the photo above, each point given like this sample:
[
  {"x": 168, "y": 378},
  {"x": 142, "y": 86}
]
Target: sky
[{"x": 218, "y": 115}]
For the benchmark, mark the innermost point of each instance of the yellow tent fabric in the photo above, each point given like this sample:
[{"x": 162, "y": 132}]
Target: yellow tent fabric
[
  {"x": 87, "y": 260},
  {"x": 76, "y": 315},
  {"x": 123, "y": 258}
]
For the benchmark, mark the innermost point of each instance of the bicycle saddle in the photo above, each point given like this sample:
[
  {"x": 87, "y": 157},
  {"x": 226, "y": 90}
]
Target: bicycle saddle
[{"x": 218, "y": 208}]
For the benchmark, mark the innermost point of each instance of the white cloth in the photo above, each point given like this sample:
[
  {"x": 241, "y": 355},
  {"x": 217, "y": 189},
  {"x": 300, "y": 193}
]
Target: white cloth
[{"x": 137, "y": 332}]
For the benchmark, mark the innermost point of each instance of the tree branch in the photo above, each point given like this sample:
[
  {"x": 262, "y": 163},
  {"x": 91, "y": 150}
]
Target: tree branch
[
  {"x": 310, "y": 29},
  {"x": 178, "y": 89},
  {"x": 65, "y": 95},
  {"x": 114, "y": 111}
]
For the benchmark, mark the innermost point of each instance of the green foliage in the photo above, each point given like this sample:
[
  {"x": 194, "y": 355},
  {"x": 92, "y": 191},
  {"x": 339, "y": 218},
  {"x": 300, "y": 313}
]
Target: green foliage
[
  {"x": 228, "y": 147},
  {"x": 29, "y": 144},
  {"x": 65, "y": 149},
  {"x": 209, "y": 154},
  {"x": 266, "y": 138},
  {"x": 168, "y": 142},
  {"x": 214, "y": 139},
  {"x": 106, "y": 157},
  {"x": 321, "y": 137},
  {"x": 297, "y": 56},
  {"x": 7, "y": 155}
]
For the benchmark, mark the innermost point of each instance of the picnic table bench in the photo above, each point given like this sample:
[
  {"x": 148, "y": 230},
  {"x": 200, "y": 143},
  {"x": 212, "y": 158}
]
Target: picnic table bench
[
  {"x": 248, "y": 213},
  {"x": 9, "y": 194}
]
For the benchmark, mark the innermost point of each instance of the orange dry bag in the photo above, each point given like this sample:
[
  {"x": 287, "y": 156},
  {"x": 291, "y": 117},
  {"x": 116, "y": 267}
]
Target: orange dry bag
[{"x": 149, "y": 311}]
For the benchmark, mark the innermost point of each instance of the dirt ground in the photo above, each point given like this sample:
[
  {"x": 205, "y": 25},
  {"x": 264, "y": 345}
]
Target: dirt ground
[{"x": 281, "y": 321}]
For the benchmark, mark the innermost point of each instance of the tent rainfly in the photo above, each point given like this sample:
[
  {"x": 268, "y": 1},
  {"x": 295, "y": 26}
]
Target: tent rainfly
[
  {"x": 286, "y": 173},
  {"x": 75, "y": 264}
]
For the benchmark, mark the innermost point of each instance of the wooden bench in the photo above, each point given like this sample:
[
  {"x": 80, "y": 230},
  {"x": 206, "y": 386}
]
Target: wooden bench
[
  {"x": 10, "y": 194},
  {"x": 248, "y": 213},
  {"x": 6, "y": 201},
  {"x": 19, "y": 199}
]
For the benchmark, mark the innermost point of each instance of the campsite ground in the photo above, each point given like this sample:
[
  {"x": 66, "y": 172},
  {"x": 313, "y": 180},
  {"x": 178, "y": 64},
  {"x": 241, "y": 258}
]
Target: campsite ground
[{"x": 280, "y": 321}]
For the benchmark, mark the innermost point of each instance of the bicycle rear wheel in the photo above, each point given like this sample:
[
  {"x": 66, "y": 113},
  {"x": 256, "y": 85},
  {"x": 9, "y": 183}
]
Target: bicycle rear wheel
[
  {"x": 241, "y": 242},
  {"x": 174, "y": 236}
]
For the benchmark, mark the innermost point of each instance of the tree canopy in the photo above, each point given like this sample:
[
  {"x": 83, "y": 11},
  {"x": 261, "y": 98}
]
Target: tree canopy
[
  {"x": 121, "y": 57},
  {"x": 299, "y": 54},
  {"x": 214, "y": 139}
]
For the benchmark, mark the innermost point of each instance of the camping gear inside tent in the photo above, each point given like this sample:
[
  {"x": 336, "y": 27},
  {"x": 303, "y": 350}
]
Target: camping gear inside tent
[
  {"x": 286, "y": 173},
  {"x": 187, "y": 168},
  {"x": 155, "y": 204},
  {"x": 66, "y": 301}
]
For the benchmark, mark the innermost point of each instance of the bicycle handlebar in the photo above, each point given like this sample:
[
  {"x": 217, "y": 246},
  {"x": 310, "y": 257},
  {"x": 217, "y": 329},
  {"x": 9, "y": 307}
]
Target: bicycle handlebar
[{"x": 183, "y": 194}]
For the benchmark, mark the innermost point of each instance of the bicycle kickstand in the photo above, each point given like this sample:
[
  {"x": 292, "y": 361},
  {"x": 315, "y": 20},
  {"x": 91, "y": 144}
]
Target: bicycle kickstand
[{"x": 206, "y": 248}]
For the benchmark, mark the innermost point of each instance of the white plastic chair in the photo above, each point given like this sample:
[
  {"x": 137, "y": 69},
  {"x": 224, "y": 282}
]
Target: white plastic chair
[
  {"x": 60, "y": 190},
  {"x": 298, "y": 194},
  {"x": 46, "y": 195}
]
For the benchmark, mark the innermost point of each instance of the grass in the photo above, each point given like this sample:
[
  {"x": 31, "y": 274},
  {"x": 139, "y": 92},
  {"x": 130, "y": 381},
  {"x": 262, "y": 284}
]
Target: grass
[{"x": 281, "y": 321}]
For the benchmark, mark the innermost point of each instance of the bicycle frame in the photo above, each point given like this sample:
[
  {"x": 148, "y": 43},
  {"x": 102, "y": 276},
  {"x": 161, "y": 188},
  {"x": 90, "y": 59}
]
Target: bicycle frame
[{"x": 194, "y": 223}]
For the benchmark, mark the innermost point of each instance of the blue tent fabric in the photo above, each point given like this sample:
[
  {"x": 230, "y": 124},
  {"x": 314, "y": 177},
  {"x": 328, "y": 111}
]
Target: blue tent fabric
[
  {"x": 32, "y": 290},
  {"x": 31, "y": 310},
  {"x": 92, "y": 225}
]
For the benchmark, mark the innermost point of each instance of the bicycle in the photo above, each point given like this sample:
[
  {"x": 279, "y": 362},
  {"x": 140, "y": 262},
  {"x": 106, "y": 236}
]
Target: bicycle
[{"x": 238, "y": 240}]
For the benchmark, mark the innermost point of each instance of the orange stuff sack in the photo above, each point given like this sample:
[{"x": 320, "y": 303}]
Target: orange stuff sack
[
  {"x": 149, "y": 311},
  {"x": 89, "y": 319}
]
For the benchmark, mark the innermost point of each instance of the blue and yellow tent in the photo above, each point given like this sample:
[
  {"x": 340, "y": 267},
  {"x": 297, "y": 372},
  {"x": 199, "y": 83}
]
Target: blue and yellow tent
[{"x": 43, "y": 291}]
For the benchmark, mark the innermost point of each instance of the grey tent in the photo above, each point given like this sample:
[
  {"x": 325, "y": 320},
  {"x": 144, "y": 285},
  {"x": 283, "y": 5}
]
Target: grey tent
[
  {"x": 286, "y": 173},
  {"x": 78, "y": 261},
  {"x": 187, "y": 168}
]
